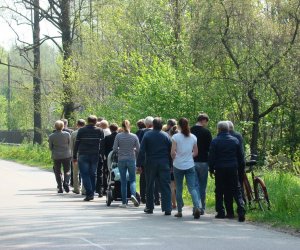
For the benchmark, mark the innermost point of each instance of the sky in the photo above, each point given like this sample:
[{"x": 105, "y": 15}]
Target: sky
[{"x": 7, "y": 36}]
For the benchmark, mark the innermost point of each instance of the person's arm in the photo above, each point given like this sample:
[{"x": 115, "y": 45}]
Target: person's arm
[
  {"x": 212, "y": 159},
  {"x": 173, "y": 149},
  {"x": 141, "y": 155},
  {"x": 137, "y": 146},
  {"x": 77, "y": 142},
  {"x": 116, "y": 143},
  {"x": 50, "y": 143},
  {"x": 195, "y": 150}
]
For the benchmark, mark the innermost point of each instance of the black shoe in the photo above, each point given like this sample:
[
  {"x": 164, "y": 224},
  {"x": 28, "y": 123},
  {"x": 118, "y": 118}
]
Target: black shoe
[
  {"x": 220, "y": 216},
  {"x": 148, "y": 211},
  {"x": 88, "y": 198},
  {"x": 229, "y": 216},
  {"x": 60, "y": 191},
  {"x": 66, "y": 188},
  {"x": 143, "y": 200},
  {"x": 157, "y": 203},
  {"x": 178, "y": 215},
  {"x": 201, "y": 212},
  {"x": 100, "y": 195},
  {"x": 196, "y": 213},
  {"x": 75, "y": 192},
  {"x": 168, "y": 213},
  {"x": 241, "y": 218}
]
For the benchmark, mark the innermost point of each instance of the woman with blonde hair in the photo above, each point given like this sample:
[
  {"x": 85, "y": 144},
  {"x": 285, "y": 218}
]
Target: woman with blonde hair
[{"x": 127, "y": 144}]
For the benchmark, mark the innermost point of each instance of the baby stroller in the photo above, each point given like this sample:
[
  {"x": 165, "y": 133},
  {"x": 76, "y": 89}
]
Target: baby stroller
[{"x": 113, "y": 192}]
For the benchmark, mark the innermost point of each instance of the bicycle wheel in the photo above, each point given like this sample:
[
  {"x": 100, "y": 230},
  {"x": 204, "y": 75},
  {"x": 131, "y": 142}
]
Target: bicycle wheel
[
  {"x": 247, "y": 196},
  {"x": 261, "y": 194}
]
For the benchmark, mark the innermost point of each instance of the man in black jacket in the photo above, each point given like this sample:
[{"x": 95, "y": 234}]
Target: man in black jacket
[
  {"x": 225, "y": 157},
  {"x": 88, "y": 145}
]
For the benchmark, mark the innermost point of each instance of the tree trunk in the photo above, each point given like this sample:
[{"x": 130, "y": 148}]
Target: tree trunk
[
  {"x": 68, "y": 103},
  {"x": 255, "y": 119},
  {"x": 37, "y": 117}
]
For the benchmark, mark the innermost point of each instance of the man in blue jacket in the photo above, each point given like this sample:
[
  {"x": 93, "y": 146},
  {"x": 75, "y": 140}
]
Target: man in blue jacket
[
  {"x": 225, "y": 158},
  {"x": 155, "y": 155}
]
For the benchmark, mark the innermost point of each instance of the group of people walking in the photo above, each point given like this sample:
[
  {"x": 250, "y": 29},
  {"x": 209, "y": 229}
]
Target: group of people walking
[{"x": 163, "y": 155}]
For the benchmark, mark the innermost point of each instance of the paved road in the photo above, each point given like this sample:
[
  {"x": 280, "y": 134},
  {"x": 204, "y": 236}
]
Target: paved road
[{"x": 34, "y": 216}]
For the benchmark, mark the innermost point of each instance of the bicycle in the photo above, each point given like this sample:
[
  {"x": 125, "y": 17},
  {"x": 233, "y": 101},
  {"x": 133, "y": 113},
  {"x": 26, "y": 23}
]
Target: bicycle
[{"x": 259, "y": 193}]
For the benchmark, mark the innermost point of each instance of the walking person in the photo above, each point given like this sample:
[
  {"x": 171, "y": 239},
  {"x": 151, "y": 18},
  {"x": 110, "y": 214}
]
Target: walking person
[
  {"x": 184, "y": 148},
  {"x": 87, "y": 146},
  {"x": 127, "y": 144},
  {"x": 155, "y": 155},
  {"x": 204, "y": 139},
  {"x": 76, "y": 184},
  {"x": 59, "y": 144},
  {"x": 225, "y": 157}
]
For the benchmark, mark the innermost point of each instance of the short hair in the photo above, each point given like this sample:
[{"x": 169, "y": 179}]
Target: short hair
[
  {"x": 65, "y": 121},
  {"x": 81, "y": 123},
  {"x": 149, "y": 121},
  {"x": 223, "y": 126},
  {"x": 92, "y": 119},
  {"x": 104, "y": 124},
  {"x": 230, "y": 125},
  {"x": 202, "y": 116},
  {"x": 59, "y": 125},
  {"x": 157, "y": 123},
  {"x": 173, "y": 130},
  {"x": 171, "y": 122},
  {"x": 141, "y": 124},
  {"x": 113, "y": 127},
  {"x": 99, "y": 119}
]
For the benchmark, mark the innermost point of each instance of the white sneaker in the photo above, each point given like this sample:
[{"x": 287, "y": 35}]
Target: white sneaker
[
  {"x": 123, "y": 206},
  {"x": 134, "y": 201}
]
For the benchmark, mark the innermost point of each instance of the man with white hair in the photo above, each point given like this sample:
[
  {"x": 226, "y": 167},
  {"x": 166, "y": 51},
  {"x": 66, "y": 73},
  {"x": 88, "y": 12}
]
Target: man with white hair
[{"x": 225, "y": 157}]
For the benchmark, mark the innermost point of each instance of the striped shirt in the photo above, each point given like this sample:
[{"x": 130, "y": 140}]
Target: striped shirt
[{"x": 127, "y": 144}]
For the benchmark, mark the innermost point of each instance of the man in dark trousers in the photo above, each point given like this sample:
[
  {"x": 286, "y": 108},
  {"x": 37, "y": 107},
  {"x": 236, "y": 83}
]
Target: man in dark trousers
[
  {"x": 88, "y": 145},
  {"x": 155, "y": 154},
  {"x": 201, "y": 160},
  {"x": 225, "y": 157}
]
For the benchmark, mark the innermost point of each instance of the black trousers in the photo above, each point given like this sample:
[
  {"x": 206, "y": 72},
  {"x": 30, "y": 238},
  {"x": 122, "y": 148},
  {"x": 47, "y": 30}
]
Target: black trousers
[
  {"x": 228, "y": 186},
  {"x": 66, "y": 164},
  {"x": 99, "y": 181},
  {"x": 143, "y": 185}
]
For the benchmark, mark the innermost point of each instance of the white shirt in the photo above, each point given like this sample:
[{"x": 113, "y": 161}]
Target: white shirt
[{"x": 184, "y": 151}]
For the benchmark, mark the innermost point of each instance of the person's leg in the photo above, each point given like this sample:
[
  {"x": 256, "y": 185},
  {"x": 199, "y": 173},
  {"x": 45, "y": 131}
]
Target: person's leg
[
  {"x": 105, "y": 176},
  {"x": 76, "y": 185},
  {"x": 219, "y": 193},
  {"x": 228, "y": 194},
  {"x": 143, "y": 185},
  {"x": 122, "y": 165},
  {"x": 83, "y": 164},
  {"x": 178, "y": 175},
  {"x": 99, "y": 178},
  {"x": 132, "y": 177},
  {"x": 57, "y": 173},
  {"x": 173, "y": 191},
  {"x": 67, "y": 173},
  {"x": 237, "y": 194},
  {"x": 150, "y": 178},
  {"x": 203, "y": 176},
  {"x": 71, "y": 174},
  {"x": 93, "y": 162},
  {"x": 164, "y": 183},
  {"x": 156, "y": 191},
  {"x": 190, "y": 181}
]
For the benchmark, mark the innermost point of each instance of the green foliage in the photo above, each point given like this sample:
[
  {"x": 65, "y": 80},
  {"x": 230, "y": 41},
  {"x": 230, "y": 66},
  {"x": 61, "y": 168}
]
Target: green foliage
[{"x": 27, "y": 153}]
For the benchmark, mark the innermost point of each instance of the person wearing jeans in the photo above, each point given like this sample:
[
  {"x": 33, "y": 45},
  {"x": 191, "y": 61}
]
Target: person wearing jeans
[
  {"x": 184, "y": 148},
  {"x": 204, "y": 139},
  {"x": 127, "y": 144},
  {"x": 87, "y": 146}
]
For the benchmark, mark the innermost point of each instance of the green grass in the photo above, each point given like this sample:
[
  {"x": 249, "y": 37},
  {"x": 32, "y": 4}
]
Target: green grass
[
  {"x": 29, "y": 154},
  {"x": 283, "y": 187}
]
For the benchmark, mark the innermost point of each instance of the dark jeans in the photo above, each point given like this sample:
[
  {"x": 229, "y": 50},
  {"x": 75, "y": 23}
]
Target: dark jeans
[
  {"x": 143, "y": 187},
  {"x": 66, "y": 163},
  {"x": 88, "y": 169},
  {"x": 162, "y": 172},
  {"x": 228, "y": 186}
]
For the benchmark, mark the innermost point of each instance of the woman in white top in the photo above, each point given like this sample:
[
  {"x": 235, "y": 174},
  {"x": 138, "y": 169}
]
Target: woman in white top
[{"x": 184, "y": 148}]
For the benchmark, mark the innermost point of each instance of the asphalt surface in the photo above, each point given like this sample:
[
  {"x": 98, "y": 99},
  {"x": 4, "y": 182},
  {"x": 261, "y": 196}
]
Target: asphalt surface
[{"x": 34, "y": 216}]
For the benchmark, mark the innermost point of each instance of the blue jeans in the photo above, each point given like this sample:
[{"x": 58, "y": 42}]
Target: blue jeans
[
  {"x": 201, "y": 181},
  {"x": 190, "y": 181},
  {"x": 123, "y": 166},
  {"x": 88, "y": 169}
]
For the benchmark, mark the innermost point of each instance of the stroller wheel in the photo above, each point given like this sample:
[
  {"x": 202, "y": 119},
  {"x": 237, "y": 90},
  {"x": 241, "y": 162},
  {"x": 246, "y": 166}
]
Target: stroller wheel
[{"x": 109, "y": 197}]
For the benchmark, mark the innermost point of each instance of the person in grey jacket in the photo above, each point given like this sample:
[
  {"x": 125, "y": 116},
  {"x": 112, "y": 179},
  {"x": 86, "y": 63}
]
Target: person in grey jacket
[{"x": 59, "y": 144}]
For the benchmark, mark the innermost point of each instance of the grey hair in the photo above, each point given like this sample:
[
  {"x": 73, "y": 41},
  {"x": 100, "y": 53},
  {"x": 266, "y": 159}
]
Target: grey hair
[
  {"x": 149, "y": 121},
  {"x": 230, "y": 125},
  {"x": 223, "y": 126}
]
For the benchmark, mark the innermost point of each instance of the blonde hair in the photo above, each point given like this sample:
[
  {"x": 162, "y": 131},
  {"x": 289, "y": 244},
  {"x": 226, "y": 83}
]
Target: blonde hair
[
  {"x": 104, "y": 124},
  {"x": 126, "y": 126},
  {"x": 59, "y": 125}
]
